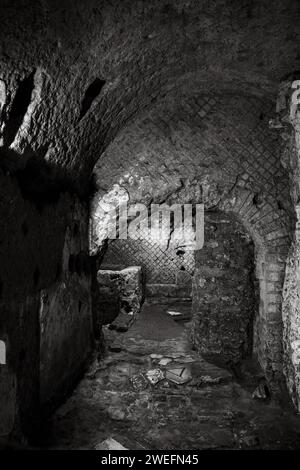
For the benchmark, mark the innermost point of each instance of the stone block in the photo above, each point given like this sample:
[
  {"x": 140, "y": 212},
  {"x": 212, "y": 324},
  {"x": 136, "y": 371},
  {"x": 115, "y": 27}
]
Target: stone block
[{"x": 118, "y": 292}]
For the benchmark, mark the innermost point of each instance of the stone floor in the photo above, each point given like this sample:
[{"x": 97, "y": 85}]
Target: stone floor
[{"x": 214, "y": 409}]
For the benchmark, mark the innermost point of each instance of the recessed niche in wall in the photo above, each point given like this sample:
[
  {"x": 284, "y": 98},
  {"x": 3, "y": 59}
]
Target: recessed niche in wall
[
  {"x": 90, "y": 95},
  {"x": 19, "y": 108}
]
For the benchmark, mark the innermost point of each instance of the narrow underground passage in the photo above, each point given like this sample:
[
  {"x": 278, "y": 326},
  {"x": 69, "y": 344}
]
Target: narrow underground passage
[
  {"x": 175, "y": 366},
  {"x": 158, "y": 101}
]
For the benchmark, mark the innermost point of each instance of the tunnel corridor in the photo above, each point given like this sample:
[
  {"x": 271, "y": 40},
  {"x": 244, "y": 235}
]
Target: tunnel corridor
[{"x": 149, "y": 245}]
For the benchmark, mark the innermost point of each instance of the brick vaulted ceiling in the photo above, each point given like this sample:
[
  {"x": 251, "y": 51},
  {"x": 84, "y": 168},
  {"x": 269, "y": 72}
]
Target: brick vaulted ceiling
[
  {"x": 217, "y": 141},
  {"x": 201, "y": 148},
  {"x": 73, "y": 73}
]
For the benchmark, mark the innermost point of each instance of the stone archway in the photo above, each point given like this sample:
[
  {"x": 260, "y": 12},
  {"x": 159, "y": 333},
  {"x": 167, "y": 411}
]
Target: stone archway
[{"x": 272, "y": 238}]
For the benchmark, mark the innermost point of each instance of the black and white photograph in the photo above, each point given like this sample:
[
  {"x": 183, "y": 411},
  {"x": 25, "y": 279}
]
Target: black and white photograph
[{"x": 150, "y": 229}]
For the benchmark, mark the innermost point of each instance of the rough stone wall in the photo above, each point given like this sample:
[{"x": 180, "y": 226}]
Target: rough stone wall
[
  {"x": 224, "y": 299},
  {"x": 106, "y": 297},
  {"x": 25, "y": 267},
  {"x": 65, "y": 315},
  {"x": 141, "y": 50},
  {"x": 19, "y": 377},
  {"x": 288, "y": 125},
  {"x": 291, "y": 324},
  {"x": 33, "y": 237}
]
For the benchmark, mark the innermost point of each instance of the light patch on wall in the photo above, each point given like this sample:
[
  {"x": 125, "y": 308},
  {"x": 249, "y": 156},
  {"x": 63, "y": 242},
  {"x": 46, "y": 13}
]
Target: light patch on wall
[
  {"x": 2, "y": 95},
  {"x": 103, "y": 216},
  {"x": 2, "y": 104},
  {"x": 2, "y": 352}
]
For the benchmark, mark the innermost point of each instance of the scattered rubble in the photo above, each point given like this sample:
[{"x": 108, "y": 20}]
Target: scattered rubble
[
  {"x": 187, "y": 359},
  {"x": 139, "y": 382},
  {"x": 173, "y": 313},
  {"x": 179, "y": 316},
  {"x": 122, "y": 322},
  {"x": 193, "y": 405},
  {"x": 207, "y": 380},
  {"x": 165, "y": 361},
  {"x": 261, "y": 392},
  {"x": 155, "y": 375},
  {"x": 178, "y": 375},
  {"x": 156, "y": 356},
  {"x": 110, "y": 444}
]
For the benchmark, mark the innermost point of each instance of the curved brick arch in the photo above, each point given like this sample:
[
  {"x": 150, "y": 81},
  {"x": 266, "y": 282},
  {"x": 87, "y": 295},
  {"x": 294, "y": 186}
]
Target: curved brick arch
[
  {"x": 203, "y": 150},
  {"x": 225, "y": 135},
  {"x": 272, "y": 244}
]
